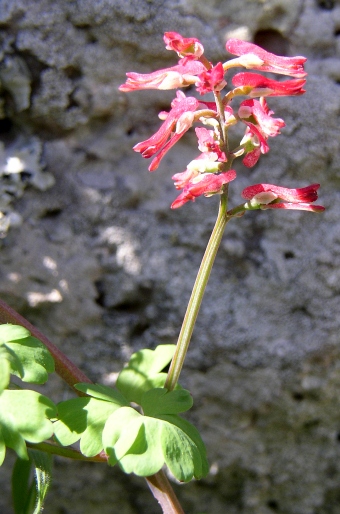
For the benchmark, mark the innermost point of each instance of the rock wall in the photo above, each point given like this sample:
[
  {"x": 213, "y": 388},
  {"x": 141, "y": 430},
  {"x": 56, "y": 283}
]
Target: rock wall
[{"x": 95, "y": 258}]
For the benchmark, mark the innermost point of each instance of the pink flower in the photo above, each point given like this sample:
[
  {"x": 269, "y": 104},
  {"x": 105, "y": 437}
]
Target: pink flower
[
  {"x": 206, "y": 162},
  {"x": 177, "y": 122},
  {"x": 259, "y": 111},
  {"x": 262, "y": 86},
  {"x": 206, "y": 184},
  {"x": 207, "y": 142},
  {"x": 292, "y": 66},
  {"x": 260, "y": 126},
  {"x": 269, "y": 196},
  {"x": 184, "y": 74},
  {"x": 211, "y": 80},
  {"x": 184, "y": 46}
]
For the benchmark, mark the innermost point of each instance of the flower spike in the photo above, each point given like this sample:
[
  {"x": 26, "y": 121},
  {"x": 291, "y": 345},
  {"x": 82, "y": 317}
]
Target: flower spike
[{"x": 208, "y": 173}]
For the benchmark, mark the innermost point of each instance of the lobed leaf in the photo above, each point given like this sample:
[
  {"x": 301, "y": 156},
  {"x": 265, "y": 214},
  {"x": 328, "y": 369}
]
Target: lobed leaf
[
  {"x": 24, "y": 416},
  {"x": 25, "y": 355},
  {"x": 101, "y": 392},
  {"x": 84, "y": 418},
  {"x": 143, "y": 444},
  {"x": 161, "y": 401},
  {"x": 144, "y": 372}
]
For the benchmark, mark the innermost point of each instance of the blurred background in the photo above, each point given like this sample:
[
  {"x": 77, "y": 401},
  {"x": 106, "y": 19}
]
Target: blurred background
[{"x": 92, "y": 254}]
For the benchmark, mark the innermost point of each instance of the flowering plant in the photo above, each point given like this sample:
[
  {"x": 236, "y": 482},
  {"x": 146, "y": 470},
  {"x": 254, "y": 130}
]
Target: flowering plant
[
  {"x": 137, "y": 424},
  {"x": 211, "y": 172}
]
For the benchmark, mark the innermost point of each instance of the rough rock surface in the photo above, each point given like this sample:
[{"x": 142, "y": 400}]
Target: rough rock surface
[{"x": 103, "y": 267}]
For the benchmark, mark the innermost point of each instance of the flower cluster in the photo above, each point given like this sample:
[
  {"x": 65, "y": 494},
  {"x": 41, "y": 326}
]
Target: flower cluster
[{"x": 211, "y": 171}]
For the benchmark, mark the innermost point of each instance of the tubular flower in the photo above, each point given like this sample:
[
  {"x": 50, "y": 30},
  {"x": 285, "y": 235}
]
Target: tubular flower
[
  {"x": 260, "y": 125},
  {"x": 205, "y": 184},
  {"x": 211, "y": 80},
  {"x": 269, "y": 196},
  {"x": 184, "y": 46},
  {"x": 177, "y": 122},
  {"x": 266, "y": 61},
  {"x": 259, "y": 111},
  {"x": 206, "y": 162},
  {"x": 262, "y": 86},
  {"x": 208, "y": 142},
  {"x": 184, "y": 74}
]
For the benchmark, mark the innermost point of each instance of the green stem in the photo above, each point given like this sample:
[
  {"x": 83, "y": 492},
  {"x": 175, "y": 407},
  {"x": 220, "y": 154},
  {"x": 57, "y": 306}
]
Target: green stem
[{"x": 197, "y": 296}]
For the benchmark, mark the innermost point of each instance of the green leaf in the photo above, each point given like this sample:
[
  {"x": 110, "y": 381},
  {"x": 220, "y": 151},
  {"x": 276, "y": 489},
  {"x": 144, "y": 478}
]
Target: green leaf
[
  {"x": 22, "y": 486},
  {"x": 193, "y": 434},
  {"x": 29, "y": 492},
  {"x": 84, "y": 419},
  {"x": 181, "y": 454},
  {"x": 142, "y": 444},
  {"x": 24, "y": 415},
  {"x": 102, "y": 393},
  {"x": 123, "y": 426},
  {"x": 28, "y": 358},
  {"x": 134, "y": 441},
  {"x": 161, "y": 401},
  {"x": 10, "y": 332},
  {"x": 5, "y": 368},
  {"x": 143, "y": 372},
  {"x": 43, "y": 473}
]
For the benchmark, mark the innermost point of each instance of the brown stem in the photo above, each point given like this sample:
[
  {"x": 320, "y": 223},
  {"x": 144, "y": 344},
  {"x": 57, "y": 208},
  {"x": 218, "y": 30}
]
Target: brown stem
[
  {"x": 63, "y": 366},
  {"x": 164, "y": 494}
]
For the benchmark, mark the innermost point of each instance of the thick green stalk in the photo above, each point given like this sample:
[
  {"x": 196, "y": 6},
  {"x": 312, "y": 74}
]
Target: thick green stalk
[{"x": 197, "y": 295}]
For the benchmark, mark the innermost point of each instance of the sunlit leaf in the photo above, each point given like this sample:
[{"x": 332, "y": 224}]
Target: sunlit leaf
[
  {"x": 144, "y": 372},
  {"x": 84, "y": 418},
  {"x": 142, "y": 444},
  {"x": 28, "y": 358},
  {"x": 24, "y": 416},
  {"x": 181, "y": 454},
  {"x": 5, "y": 368},
  {"x": 193, "y": 434},
  {"x": 9, "y": 332},
  {"x": 101, "y": 392},
  {"x": 161, "y": 401}
]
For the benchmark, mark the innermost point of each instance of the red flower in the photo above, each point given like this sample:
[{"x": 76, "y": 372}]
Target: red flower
[
  {"x": 259, "y": 111},
  {"x": 208, "y": 142},
  {"x": 269, "y": 196},
  {"x": 211, "y": 80},
  {"x": 260, "y": 126},
  {"x": 177, "y": 122},
  {"x": 262, "y": 86},
  {"x": 206, "y": 184},
  {"x": 184, "y": 46},
  {"x": 266, "y": 61},
  {"x": 184, "y": 74}
]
